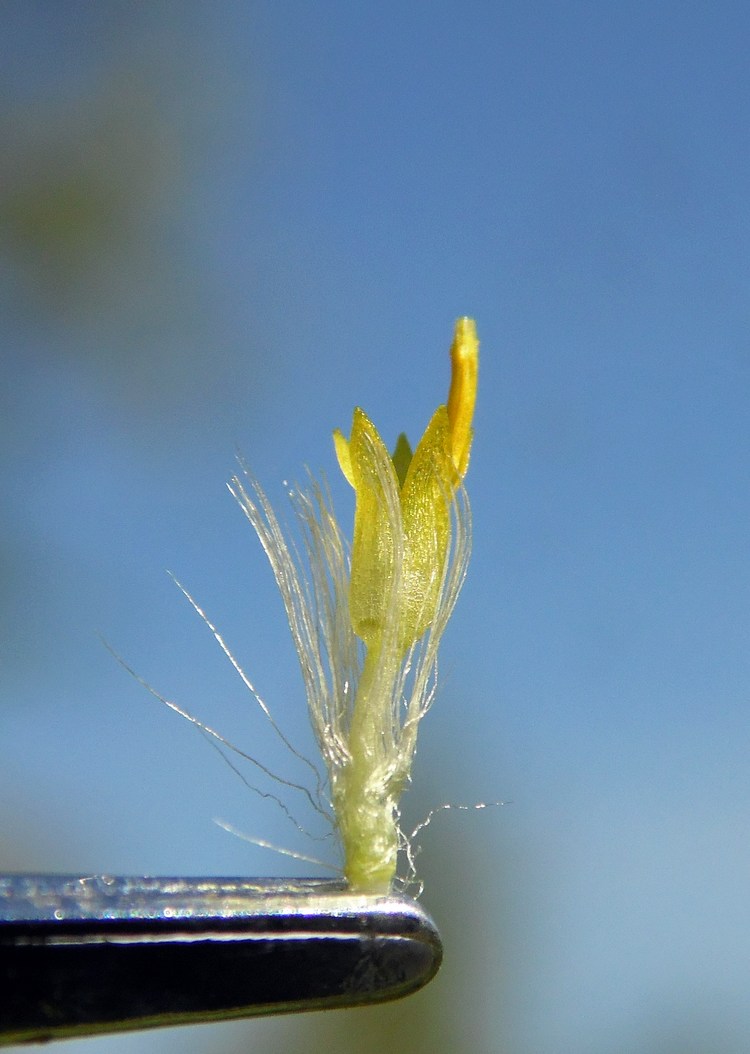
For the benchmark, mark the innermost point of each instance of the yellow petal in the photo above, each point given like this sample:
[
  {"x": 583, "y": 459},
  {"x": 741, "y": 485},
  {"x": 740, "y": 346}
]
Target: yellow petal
[
  {"x": 377, "y": 531},
  {"x": 425, "y": 501},
  {"x": 341, "y": 446},
  {"x": 463, "y": 390}
]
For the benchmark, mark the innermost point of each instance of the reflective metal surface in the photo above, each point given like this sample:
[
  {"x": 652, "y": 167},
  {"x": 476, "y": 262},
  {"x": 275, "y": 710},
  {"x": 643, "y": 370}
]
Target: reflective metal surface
[{"x": 81, "y": 955}]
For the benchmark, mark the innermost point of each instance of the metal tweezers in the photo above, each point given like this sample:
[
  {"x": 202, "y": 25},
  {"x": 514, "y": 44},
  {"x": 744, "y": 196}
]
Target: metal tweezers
[{"x": 84, "y": 955}]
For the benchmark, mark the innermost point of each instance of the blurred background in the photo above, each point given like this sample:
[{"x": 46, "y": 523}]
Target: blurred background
[{"x": 224, "y": 225}]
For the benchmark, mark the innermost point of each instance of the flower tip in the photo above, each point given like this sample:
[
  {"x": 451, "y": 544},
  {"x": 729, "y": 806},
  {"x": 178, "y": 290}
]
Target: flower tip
[{"x": 465, "y": 337}]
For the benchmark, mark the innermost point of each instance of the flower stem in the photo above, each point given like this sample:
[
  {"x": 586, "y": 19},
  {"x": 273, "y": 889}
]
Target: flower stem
[{"x": 366, "y": 802}]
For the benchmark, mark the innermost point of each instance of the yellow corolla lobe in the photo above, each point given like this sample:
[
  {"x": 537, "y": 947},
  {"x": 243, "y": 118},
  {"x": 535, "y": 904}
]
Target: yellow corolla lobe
[
  {"x": 463, "y": 390},
  {"x": 341, "y": 446}
]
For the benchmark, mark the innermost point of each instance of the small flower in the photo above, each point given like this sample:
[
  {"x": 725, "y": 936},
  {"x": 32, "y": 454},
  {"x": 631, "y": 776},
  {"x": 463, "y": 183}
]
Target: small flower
[{"x": 367, "y": 622}]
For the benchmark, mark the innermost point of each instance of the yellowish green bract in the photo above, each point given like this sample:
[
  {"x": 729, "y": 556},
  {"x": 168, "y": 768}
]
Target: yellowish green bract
[{"x": 367, "y": 619}]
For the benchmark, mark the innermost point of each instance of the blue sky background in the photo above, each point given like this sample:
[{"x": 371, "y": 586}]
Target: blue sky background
[{"x": 224, "y": 225}]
